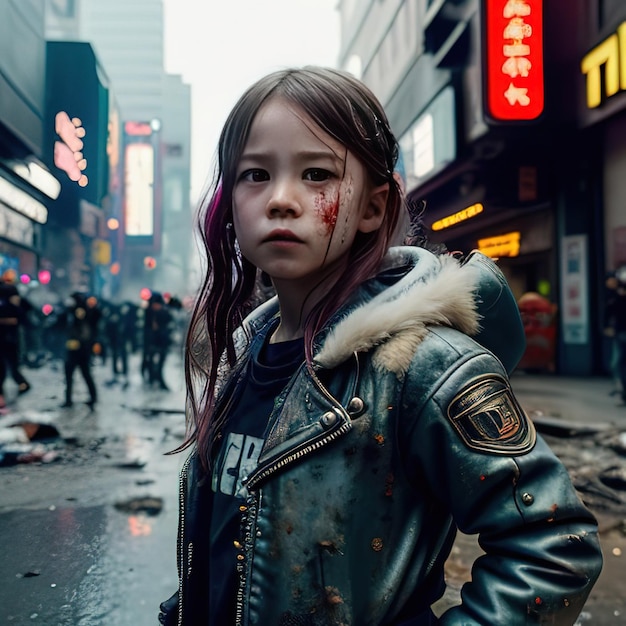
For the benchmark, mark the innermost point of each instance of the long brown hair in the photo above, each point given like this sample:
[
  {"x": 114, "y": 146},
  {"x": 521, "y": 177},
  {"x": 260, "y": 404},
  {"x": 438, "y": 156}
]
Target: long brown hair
[{"x": 347, "y": 110}]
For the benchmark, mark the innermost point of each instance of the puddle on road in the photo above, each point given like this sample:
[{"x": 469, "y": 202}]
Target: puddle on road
[{"x": 85, "y": 566}]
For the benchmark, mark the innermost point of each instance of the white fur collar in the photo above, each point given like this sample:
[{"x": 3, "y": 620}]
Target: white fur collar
[{"x": 437, "y": 291}]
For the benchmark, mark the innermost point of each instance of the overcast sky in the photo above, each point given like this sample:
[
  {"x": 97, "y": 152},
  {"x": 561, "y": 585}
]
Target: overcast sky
[{"x": 221, "y": 47}]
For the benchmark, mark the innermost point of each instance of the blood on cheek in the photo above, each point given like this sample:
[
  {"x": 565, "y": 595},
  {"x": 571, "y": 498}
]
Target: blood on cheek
[{"x": 328, "y": 210}]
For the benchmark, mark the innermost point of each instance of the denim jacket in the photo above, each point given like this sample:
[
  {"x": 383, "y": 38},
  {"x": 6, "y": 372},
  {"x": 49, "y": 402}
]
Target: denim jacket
[{"x": 403, "y": 431}]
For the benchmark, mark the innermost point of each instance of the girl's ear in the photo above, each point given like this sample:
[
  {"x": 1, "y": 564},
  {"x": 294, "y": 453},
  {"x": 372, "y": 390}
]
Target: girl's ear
[{"x": 374, "y": 213}]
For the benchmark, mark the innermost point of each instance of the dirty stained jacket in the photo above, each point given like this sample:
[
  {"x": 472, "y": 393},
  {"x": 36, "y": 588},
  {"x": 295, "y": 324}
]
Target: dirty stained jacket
[{"x": 403, "y": 431}]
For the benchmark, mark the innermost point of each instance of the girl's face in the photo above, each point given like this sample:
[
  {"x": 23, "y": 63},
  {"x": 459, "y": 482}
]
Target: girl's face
[{"x": 300, "y": 198}]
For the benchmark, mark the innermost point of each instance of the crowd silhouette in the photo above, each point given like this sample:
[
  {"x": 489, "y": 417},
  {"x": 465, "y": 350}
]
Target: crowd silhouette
[{"x": 81, "y": 331}]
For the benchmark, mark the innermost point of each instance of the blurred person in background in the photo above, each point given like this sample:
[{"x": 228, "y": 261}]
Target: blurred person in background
[
  {"x": 117, "y": 323},
  {"x": 80, "y": 321},
  {"x": 132, "y": 328},
  {"x": 615, "y": 327},
  {"x": 158, "y": 323},
  {"x": 12, "y": 318},
  {"x": 610, "y": 294},
  {"x": 98, "y": 349}
]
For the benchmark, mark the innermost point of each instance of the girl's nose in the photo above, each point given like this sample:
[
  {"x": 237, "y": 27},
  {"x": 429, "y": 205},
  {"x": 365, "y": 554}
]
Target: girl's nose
[{"x": 284, "y": 200}]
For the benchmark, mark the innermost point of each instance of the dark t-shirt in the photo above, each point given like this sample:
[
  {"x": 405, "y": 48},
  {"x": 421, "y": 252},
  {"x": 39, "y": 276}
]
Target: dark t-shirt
[{"x": 266, "y": 377}]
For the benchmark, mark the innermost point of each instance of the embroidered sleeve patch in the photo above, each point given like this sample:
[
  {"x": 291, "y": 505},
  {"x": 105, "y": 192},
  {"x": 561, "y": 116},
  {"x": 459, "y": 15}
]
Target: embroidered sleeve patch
[{"x": 488, "y": 417}]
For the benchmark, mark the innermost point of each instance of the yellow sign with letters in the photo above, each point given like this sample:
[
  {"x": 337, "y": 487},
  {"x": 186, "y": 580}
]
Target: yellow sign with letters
[{"x": 607, "y": 59}]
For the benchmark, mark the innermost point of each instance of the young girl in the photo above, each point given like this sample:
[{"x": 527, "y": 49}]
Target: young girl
[{"x": 343, "y": 430}]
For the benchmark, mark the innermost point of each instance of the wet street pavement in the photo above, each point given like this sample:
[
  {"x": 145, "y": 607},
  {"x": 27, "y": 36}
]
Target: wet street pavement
[
  {"x": 88, "y": 532},
  {"x": 89, "y": 537}
]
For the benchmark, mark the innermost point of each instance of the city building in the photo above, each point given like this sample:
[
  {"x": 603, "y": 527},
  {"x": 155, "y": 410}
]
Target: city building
[
  {"x": 511, "y": 119},
  {"x": 77, "y": 86},
  {"x": 28, "y": 188},
  {"x": 148, "y": 147}
]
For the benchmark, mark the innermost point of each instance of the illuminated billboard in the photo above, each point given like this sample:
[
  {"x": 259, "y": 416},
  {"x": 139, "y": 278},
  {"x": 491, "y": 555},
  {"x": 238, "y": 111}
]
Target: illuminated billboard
[
  {"x": 139, "y": 190},
  {"x": 514, "y": 78}
]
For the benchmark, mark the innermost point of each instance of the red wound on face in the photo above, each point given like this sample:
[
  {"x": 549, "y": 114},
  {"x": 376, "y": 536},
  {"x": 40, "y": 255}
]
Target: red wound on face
[{"x": 327, "y": 209}]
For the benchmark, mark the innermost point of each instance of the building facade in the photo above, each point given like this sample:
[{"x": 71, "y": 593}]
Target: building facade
[
  {"x": 510, "y": 115},
  {"x": 148, "y": 147},
  {"x": 28, "y": 188}
]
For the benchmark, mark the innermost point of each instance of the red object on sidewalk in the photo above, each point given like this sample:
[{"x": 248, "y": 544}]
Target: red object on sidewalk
[{"x": 539, "y": 319}]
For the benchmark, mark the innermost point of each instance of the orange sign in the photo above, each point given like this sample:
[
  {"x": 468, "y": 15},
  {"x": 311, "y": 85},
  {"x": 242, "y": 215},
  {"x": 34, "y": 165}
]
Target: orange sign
[
  {"x": 500, "y": 245},
  {"x": 514, "y": 59},
  {"x": 459, "y": 216}
]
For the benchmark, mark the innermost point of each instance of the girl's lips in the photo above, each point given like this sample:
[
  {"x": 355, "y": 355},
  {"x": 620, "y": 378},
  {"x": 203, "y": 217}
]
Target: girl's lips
[{"x": 280, "y": 235}]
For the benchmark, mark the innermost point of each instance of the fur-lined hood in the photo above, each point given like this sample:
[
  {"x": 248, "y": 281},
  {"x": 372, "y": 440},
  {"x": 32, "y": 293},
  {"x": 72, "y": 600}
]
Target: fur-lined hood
[
  {"x": 416, "y": 289},
  {"x": 436, "y": 290}
]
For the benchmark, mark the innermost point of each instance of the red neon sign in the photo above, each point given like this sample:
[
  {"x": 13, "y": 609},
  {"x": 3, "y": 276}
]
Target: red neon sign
[{"x": 514, "y": 59}]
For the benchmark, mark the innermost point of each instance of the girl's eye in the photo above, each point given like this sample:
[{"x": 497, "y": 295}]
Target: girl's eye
[
  {"x": 317, "y": 175},
  {"x": 254, "y": 176}
]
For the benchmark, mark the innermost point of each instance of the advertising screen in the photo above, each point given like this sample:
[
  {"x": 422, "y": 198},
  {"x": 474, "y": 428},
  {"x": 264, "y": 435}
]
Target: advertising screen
[{"x": 139, "y": 185}]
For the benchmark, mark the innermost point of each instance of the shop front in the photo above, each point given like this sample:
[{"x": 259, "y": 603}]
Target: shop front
[
  {"x": 602, "y": 116},
  {"x": 25, "y": 188}
]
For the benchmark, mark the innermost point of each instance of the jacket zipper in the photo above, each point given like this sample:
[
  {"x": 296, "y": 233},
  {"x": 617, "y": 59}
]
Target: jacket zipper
[
  {"x": 181, "y": 531},
  {"x": 330, "y": 436},
  {"x": 243, "y": 567},
  {"x": 181, "y": 536},
  {"x": 298, "y": 453},
  {"x": 294, "y": 455},
  {"x": 253, "y": 503},
  {"x": 248, "y": 525},
  {"x": 182, "y": 571}
]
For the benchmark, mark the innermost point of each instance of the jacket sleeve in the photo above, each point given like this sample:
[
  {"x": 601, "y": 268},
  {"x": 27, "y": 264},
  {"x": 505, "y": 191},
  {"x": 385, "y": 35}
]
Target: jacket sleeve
[
  {"x": 480, "y": 455},
  {"x": 495, "y": 302},
  {"x": 168, "y": 611}
]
